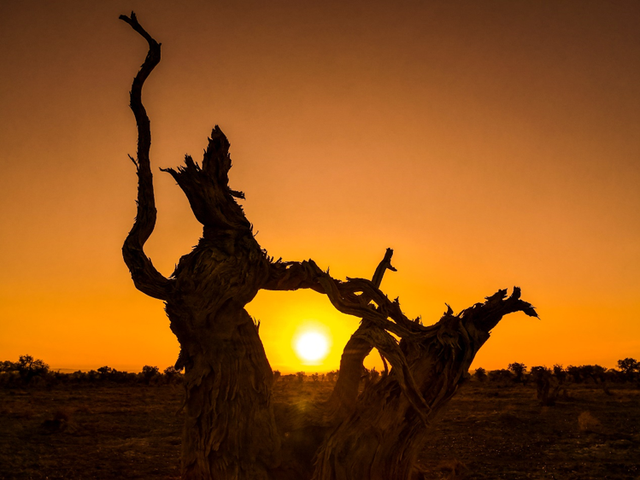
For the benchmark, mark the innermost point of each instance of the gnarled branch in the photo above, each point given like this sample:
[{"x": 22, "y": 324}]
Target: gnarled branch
[
  {"x": 384, "y": 432},
  {"x": 145, "y": 276},
  {"x": 382, "y": 319},
  {"x": 345, "y": 392}
]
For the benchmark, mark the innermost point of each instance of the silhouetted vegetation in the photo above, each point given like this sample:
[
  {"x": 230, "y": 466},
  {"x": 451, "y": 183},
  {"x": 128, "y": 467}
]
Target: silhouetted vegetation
[
  {"x": 480, "y": 374},
  {"x": 630, "y": 368},
  {"x": 519, "y": 370},
  {"x": 553, "y": 383},
  {"x": 560, "y": 373},
  {"x": 546, "y": 389},
  {"x": 30, "y": 372}
]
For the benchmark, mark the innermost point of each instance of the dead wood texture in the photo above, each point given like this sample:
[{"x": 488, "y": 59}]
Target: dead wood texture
[{"x": 231, "y": 431}]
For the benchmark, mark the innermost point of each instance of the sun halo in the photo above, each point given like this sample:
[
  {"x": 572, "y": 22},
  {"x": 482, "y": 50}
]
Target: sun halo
[{"x": 311, "y": 346}]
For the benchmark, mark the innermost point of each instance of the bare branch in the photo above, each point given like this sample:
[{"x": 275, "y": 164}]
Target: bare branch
[
  {"x": 293, "y": 276},
  {"x": 383, "y": 266},
  {"x": 345, "y": 392},
  {"x": 145, "y": 276}
]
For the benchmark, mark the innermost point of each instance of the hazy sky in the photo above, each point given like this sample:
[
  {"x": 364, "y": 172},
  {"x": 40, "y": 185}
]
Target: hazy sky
[{"x": 490, "y": 143}]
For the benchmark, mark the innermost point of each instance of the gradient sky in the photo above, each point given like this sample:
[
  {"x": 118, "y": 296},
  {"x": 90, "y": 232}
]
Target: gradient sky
[{"x": 489, "y": 143}]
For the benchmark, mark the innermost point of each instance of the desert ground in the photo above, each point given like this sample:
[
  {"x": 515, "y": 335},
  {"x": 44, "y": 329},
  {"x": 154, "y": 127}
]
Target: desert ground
[{"x": 489, "y": 430}]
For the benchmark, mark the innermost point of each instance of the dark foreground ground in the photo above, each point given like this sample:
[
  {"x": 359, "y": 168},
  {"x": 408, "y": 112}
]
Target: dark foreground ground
[{"x": 487, "y": 432}]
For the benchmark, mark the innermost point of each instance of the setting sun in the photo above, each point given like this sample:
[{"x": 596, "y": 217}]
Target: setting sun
[{"x": 311, "y": 346}]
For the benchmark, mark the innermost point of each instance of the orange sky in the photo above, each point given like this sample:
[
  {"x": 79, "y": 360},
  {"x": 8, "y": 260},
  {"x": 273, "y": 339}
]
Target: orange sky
[{"x": 489, "y": 143}]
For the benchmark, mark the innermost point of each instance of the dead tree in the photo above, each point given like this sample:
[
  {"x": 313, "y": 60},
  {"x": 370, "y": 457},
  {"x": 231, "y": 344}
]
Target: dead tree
[{"x": 231, "y": 431}]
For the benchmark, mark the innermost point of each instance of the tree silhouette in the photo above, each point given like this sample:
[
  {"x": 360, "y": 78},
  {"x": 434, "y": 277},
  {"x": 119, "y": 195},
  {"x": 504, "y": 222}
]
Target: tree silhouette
[
  {"x": 230, "y": 429},
  {"x": 519, "y": 370},
  {"x": 629, "y": 367}
]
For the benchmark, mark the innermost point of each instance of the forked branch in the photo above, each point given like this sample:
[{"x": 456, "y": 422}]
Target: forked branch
[{"x": 345, "y": 392}]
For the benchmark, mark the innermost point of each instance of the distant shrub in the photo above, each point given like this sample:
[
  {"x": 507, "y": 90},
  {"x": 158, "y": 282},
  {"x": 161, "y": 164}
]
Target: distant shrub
[
  {"x": 559, "y": 373},
  {"x": 29, "y": 368},
  {"x": 149, "y": 373},
  {"x": 7, "y": 366},
  {"x": 332, "y": 376},
  {"x": 113, "y": 375},
  {"x": 519, "y": 370},
  {"x": 584, "y": 373},
  {"x": 289, "y": 378},
  {"x": 547, "y": 386},
  {"x": 171, "y": 375},
  {"x": 480, "y": 374},
  {"x": 629, "y": 367},
  {"x": 599, "y": 374},
  {"x": 26, "y": 370},
  {"x": 575, "y": 374}
]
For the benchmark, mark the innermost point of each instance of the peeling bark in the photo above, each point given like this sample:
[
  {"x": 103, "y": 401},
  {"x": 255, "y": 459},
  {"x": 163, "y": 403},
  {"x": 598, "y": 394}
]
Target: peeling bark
[{"x": 231, "y": 431}]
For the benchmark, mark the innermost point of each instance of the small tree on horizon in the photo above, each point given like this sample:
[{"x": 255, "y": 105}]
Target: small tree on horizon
[
  {"x": 480, "y": 374},
  {"x": 560, "y": 373},
  {"x": 519, "y": 370},
  {"x": 29, "y": 368},
  {"x": 629, "y": 367},
  {"x": 148, "y": 373}
]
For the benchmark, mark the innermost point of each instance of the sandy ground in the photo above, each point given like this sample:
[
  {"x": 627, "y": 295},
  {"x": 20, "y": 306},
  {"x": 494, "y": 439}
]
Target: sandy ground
[{"x": 488, "y": 431}]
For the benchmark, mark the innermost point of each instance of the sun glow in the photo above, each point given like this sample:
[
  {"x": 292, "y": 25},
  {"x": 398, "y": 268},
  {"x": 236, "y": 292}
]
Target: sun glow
[{"x": 311, "y": 346}]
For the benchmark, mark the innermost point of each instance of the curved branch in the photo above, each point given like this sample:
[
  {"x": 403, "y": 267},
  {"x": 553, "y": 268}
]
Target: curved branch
[
  {"x": 145, "y": 276},
  {"x": 293, "y": 276},
  {"x": 451, "y": 336},
  {"x": 345, "y": 392}
]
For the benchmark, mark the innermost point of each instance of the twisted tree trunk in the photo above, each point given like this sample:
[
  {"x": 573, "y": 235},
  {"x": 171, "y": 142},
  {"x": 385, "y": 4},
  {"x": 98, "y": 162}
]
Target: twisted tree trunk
[{"x": 230, "y": 430}]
